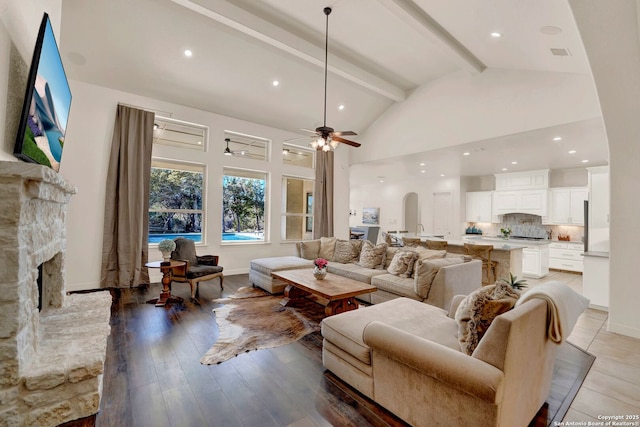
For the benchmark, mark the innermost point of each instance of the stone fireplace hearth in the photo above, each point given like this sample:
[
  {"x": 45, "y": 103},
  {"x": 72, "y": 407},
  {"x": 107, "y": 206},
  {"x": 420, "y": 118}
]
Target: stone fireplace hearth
[{"x": 51, "y": 361}]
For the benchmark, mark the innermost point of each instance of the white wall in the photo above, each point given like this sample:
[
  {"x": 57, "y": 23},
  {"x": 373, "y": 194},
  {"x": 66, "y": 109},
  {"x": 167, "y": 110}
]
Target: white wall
[
  {"x": 85, "y": 162},
  {"x": 610, "y": 33},
  {"x": 461, "y": 108},
  {"x": 389, "y": 197}
]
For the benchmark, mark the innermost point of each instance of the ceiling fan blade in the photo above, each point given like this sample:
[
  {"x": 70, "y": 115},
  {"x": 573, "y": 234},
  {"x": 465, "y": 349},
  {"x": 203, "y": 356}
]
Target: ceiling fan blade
[
  {"x": 344, "y": 132},
  {"x": 310, "y": 131},
  {"x": 345, "y": 141}
]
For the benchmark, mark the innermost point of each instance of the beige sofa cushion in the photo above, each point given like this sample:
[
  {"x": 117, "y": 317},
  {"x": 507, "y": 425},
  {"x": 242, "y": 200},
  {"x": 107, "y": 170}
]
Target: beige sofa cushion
[
  {"x": 426, "y": 271},
  {"x": 347, "y": 251},
  {"x": 327, "y": 247},
  {"x": 268, "y": 265},
  {"x": 373, "y": 256},
  {"x": 345, "y": 330},
  {"x": 402, "y": 263},
  {"x": 309, "y": 249},
  {"x": 354, "y": 271},
  {"x": 478, "y": 309},
  {"x": 424, "y": 253}
]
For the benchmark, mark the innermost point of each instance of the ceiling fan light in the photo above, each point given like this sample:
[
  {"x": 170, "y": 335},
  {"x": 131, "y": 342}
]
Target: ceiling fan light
[
  {"x": 227, "y": 152},
  {"x": 326, "y": 148},
  {"x": 333, "y": 144}
]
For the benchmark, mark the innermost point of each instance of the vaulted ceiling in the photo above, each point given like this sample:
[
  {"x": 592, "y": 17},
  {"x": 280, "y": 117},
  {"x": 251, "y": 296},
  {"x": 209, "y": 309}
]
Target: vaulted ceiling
[{"x": 380, "y": 53}]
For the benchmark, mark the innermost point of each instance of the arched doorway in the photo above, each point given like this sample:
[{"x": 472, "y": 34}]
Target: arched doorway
[{"x": 411, "y": 214}]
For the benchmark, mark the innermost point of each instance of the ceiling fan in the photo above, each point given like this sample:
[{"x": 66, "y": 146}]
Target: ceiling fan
[
  {"x": 228, "y": 152},
  {"x": 328, "y": 139}
]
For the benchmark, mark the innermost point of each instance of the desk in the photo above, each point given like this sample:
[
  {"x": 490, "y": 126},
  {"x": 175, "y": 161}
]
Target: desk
[{"x": 167, "y": 271}]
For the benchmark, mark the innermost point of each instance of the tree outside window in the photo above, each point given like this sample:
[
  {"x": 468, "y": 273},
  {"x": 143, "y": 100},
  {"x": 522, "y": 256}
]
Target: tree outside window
[
  {"x": 175, "y": 201},
  {"x": 243, "y": 205}
]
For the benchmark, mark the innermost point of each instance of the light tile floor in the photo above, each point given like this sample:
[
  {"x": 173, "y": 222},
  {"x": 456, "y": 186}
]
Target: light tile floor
[{"x": 612, "y": 387}]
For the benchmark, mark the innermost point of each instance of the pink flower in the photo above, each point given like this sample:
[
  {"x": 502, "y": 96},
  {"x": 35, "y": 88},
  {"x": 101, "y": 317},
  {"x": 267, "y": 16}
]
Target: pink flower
[{"x": 321, "y": 263}]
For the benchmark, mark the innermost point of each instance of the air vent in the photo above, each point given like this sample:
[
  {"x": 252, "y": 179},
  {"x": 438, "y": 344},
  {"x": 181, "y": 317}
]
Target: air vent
[{"x": 560, "y": 52}]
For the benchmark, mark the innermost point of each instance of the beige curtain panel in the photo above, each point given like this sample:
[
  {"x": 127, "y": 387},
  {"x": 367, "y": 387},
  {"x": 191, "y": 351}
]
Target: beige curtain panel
[
  {"x": 126, "y": 215},
  {"x": 323, "y": 196}
]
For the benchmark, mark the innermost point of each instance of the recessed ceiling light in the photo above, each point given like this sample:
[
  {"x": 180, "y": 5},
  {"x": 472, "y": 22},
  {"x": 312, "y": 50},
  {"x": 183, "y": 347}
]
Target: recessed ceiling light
[
  {"x": 422, "y": 164},
  {"x": 585, "y": 161},
  {"x": 276, "y": 83},
  {"x": 188, "y": 53},
  {"x": 382, "y": 180},
  {"x": 557, "y": 138},
  {"x": 514, "y": 163},
  {"x": 340, "y": 107},
  {"x": 199, "y": 142},
  {"x": 572, "y": 152},
  {"x": 441, "y": 174},
  {"x": 423, "y": 171},
  {"x": 496, "y": 35},
  {"x": 504, "y": 169},
  {"x": 550, "y": 30},
  {"x": 466, "y": 153}
]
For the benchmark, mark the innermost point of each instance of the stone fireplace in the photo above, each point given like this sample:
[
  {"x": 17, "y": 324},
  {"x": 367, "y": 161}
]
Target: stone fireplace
[{"x": 52, "y": 360}]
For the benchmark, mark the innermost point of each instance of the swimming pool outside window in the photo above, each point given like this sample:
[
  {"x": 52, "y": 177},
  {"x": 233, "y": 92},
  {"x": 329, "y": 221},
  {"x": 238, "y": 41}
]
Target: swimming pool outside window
[
  {"x": 176, "y": 200},
  {"x": 243, "y": 205}
]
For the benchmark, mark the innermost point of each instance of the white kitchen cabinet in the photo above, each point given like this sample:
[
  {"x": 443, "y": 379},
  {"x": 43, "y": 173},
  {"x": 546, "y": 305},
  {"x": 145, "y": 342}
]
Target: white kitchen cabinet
[
  {"x": 567, "y": 206},
  {"x": 535, "y": 261},
  {"x": 479, "y": 206},
  {"x": 524, "y": 201},
  {"x": 566, "y": 256},
  {"x": 537, "y": 179}
]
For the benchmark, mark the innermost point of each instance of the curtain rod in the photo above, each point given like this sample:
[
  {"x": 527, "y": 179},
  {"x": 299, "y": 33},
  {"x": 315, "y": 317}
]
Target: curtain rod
[{"x": 158, "y": 112}]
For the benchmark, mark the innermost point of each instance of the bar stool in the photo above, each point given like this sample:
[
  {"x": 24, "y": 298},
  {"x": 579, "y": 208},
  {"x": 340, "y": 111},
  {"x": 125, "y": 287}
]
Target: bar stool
[
  {"x": 483, "y": 253},
  {"x": 410, "y": 242},
  {"x": 437, "y": 245}
]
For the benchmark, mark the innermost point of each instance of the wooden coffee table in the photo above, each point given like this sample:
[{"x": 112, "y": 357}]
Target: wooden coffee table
[{"x": 340, "y": 292}]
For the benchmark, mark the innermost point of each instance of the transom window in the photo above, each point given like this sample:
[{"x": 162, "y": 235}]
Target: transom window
[
  {"x": 181, "y": 134},
  {"x": 246, "y": 146},
  {"x": 298, "y": 156}
]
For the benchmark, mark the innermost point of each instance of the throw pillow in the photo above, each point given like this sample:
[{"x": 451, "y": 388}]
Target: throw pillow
[
  {"x": 425, "y": 253},
  {"x": 327, "y": 247},
  {"x": 402, "y": 263},
  {"x": 372, "y": 256},
  {"x": 310, "y": 249},
  {"x": 478, "y": 309},
  {"x": 346, "y": 252}
]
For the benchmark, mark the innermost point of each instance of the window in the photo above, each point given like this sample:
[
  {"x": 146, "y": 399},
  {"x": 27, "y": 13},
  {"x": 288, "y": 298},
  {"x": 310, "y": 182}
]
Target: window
[
  {"x": 243, "y": 205},
  {"x": 175, "y": 200},
  {"x": 297, "y": 156},
  {"x": 181, "y": 134},
  {"x": 246, "y": 146},
  {"x": 297, "y": 208}
]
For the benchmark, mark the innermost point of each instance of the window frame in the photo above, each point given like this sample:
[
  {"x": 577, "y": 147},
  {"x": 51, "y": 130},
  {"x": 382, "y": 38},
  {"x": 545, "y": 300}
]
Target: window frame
[
  {"x": 308, "y": 210},
  {"x": 203, "y": 212},
  {"x": 257, "y": 174}
]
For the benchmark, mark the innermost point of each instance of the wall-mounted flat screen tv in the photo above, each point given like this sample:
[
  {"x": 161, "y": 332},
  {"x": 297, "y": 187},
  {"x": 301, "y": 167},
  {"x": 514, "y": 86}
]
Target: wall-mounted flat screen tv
[{"x": 46, "y": 104}]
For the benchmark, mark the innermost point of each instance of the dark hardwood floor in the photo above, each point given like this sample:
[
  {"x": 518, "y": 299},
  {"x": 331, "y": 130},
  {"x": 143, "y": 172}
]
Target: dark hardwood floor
[{"x": 153, "y": 376}]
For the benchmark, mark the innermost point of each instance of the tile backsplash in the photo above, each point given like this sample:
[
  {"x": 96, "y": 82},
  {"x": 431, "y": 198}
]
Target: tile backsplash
[{"x": 526, "y": 225}]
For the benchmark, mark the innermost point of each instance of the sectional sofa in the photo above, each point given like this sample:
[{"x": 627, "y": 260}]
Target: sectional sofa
[{"x": 433, "y": 277}]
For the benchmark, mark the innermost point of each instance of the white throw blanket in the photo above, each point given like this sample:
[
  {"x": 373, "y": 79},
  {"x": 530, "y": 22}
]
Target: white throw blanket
[{"x": 564, "y": 306}]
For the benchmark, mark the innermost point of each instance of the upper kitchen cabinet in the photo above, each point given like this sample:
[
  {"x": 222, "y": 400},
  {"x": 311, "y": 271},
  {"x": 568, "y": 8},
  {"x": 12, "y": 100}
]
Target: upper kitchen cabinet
[
  {"x": 530, "y": 180},
  {"x": 479, "y": 206},
  {"x": 525, "y": 201},
  {"x": 567, "y": 206}
]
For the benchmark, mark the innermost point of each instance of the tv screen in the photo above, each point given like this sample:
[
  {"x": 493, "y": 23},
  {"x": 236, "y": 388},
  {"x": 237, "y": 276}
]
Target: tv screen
[{"x": 46, "y": 106}]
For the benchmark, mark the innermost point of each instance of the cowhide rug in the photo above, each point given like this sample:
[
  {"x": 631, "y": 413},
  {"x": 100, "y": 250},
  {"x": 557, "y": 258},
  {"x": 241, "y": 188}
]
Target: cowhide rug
[{"x": 253, "y": 319}]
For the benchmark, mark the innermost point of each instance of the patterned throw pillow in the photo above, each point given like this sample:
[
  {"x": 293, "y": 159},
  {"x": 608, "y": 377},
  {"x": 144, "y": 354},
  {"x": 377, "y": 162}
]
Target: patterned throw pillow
[
  {"x": 478, "y": 309},
  {"x": 402, "y": 263},
  {"x": 372, "y": 256},
  {"x": 346, "y": 252}
]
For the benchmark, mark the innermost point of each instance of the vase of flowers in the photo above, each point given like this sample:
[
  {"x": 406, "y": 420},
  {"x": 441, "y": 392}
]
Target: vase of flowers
[
  {"x": 506, "y": 232},
  {"x": 166, "y": 246},
  {"x": 320, "y": 268}
]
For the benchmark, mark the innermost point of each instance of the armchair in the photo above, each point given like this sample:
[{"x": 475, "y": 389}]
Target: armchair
[{"x": 197, "y": 268}]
